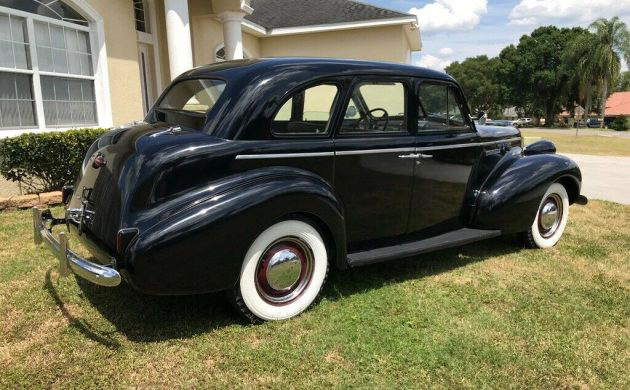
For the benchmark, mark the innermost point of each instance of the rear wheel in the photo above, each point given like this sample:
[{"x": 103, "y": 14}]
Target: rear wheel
[
  {"x": 283, "y": 272},
  {"x": 551, "y": 219}
]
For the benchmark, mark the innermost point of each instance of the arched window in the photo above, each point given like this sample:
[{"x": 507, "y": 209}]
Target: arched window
[
  {"x": 219, "y": 53},
  {"x": 46, "y": 66}
]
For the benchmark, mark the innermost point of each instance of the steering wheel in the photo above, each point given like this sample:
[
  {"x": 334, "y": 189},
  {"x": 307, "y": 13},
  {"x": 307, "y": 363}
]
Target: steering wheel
[{"x": 371, "y": 122}]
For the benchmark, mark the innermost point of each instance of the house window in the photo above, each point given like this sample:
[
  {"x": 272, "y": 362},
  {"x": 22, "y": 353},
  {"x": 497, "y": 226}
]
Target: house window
[
  {"x": 219, "y": 54},
  {"x": 140, "y": 9},
  {"x": 45, "y": 66}
]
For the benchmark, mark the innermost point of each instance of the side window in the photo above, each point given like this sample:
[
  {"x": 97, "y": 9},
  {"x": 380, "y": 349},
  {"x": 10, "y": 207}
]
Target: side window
[
  {"x": 307, "y": 112},
  {"x": 433, "y": 109},
  {"x": 376, "y": 107},
  {"x": 456, "y": 118},
  {"x": 441, "y": 108}
]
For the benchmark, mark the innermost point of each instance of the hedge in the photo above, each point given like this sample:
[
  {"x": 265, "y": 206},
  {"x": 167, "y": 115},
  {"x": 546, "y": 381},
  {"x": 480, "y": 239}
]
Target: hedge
[
  {"x": 45, "y": 161},
  {"x": 621, "y": 123}
]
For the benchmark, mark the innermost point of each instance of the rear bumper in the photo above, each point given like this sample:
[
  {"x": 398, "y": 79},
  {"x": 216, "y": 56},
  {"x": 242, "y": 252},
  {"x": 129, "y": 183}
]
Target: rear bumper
[{"x": 69, "y": 261}]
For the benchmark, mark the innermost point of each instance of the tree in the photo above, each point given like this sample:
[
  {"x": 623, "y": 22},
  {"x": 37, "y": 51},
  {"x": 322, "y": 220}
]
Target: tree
[
  {"x": 583, "y": 71},
  {"x": 624, "y": 82},
  {"x": 612, "y": 39},
  {"x": 478, "y": 78},
  {"x": 534, "y": 73}
]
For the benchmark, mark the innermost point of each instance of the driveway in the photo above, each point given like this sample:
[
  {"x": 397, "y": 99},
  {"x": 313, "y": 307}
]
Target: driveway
[{"x": 604, "y": 177}]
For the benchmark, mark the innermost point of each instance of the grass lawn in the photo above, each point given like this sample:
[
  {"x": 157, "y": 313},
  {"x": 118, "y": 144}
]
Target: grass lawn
[
  {"x": 583, "y": 144},
  {"x": 488, "y": 315}
]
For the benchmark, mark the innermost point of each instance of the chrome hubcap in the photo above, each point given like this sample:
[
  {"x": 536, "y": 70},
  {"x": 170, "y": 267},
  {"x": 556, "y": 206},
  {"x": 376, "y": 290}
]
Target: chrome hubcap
[
  {"x": 284, "y": 271},
  {"x": 550, "y": 215}
]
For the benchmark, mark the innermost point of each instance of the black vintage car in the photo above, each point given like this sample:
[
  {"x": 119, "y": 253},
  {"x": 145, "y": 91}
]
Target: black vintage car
[{"x": 256, "y": 176}]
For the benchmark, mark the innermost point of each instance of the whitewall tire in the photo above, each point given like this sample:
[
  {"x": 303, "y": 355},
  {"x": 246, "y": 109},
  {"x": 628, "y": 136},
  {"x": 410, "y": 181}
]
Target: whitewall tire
[
  {"x": 551, "y": 218},
  {"x": 283, "y": 272}
]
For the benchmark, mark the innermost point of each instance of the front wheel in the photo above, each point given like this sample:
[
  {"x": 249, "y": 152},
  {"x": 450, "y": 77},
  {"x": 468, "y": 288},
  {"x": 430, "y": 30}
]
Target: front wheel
[
  {"x": 551, "y": 219},
  {"x": 283, "y": 272}
]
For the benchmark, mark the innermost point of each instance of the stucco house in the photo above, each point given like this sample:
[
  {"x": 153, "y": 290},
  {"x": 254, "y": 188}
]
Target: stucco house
[{"x": 74, "y": 63}]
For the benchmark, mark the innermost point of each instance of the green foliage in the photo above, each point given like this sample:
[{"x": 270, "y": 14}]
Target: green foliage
[
  {"x": 534, "y": 74},
  {"x": 478, "y": 78},
  {"x": 624, "y": 82},
  {"x": 621, "y": 123},
  {"x": 45, "y": 161}
]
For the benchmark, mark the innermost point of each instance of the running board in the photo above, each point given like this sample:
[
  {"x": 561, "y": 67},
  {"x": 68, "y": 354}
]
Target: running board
[{"x": 443, "y": 241}]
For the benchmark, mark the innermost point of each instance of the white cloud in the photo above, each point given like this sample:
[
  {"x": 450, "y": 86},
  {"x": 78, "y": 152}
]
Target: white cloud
[
  {"x": 433, "y": 62},
  {"x": 450, "y": 15},
  {"x": 446, "y": 52},
  {"x": 534, "y": 12}
]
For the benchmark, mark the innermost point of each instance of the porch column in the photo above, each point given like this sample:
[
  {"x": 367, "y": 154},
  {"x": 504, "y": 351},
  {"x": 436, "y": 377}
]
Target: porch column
[
  {"x": 178, "y": 36},
  {"x": 232, "y": 35}
]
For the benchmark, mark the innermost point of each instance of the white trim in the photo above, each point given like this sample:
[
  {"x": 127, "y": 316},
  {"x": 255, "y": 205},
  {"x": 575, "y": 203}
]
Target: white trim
[
  {"x": 253, "y": 28},
  {"x": 145, "y": 38},
  {"x": 37, "y": 85},
  {"x": 341, "y": 26},
  {"x": 155, "y": 31}
]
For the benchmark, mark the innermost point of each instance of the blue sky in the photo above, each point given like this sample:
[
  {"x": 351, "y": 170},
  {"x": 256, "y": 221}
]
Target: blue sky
[{"x": 455, "y": 29}]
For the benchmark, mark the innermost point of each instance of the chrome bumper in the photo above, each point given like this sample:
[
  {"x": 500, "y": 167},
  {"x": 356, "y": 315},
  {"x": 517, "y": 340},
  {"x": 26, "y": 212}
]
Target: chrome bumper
[{"x": 43, "y": 222}]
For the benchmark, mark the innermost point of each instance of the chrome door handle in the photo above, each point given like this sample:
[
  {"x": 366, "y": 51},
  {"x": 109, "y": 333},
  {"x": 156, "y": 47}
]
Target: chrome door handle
[
  {"x": 411, "y": 155},
  {"x": 426, "y": 155}
]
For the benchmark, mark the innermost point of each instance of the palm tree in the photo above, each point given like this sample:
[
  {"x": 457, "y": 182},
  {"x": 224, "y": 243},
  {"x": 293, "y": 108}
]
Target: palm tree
[
  {"x": 612, "y": 39},
  {"x": 582, "y": 68}
]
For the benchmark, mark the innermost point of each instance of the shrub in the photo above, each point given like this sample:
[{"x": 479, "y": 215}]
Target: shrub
[
  {"x": 621, "y": 123},
  {"x": 45, "y": 161}
]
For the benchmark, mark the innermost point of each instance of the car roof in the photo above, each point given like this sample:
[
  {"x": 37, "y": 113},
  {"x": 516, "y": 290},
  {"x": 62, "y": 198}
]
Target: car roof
[{"x": 325, "y": 66}]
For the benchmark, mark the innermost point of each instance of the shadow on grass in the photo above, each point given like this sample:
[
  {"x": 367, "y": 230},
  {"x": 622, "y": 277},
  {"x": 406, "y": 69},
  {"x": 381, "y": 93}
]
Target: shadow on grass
[{"x": 144, "y": 318}]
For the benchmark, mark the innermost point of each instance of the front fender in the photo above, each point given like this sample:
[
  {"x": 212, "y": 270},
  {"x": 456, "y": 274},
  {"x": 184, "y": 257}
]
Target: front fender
[
  {"x": 202, "y": 247},
  {"x": 509, "y": 198}
]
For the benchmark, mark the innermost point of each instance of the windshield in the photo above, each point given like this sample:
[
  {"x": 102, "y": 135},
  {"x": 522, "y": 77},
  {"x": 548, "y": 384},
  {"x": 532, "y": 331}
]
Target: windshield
[{"x": 198, "y": 96}]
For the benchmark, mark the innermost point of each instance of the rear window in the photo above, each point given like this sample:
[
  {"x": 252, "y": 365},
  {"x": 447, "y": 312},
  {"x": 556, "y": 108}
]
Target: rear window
[{"x": 198, "y": 96}]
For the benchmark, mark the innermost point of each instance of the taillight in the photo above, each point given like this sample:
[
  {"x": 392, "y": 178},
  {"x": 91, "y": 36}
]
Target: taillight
[{"x": 124, "y": 238}]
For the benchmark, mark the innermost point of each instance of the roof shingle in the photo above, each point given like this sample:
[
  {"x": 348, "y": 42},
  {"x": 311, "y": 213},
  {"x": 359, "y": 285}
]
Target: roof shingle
[
  {"x": 272, "y": 14},
  {"x": 618, "y": 104}
]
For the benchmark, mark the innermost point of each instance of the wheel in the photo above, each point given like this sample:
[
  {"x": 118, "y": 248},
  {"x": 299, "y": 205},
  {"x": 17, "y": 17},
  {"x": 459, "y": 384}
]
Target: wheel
[
  {"x": 283, "y": 272},
  {"x": 550, "y": 220}
]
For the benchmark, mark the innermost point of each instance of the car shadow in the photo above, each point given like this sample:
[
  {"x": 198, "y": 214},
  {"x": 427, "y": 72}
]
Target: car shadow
[{"x": 144, "y": 318}]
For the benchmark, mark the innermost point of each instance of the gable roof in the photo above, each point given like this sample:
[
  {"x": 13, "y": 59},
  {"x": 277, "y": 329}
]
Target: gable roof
[
  {"x": 618, "y": 104},
  {"x": 272, "y": 14}
]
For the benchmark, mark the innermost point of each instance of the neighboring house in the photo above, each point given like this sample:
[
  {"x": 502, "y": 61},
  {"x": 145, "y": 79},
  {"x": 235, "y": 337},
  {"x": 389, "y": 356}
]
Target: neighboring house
[
  {"x": 618, "y": 104},
  {"x": 73, "y": 63}
]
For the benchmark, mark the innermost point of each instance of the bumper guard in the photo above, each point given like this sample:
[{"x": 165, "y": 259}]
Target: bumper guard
[{"x": 69, "y": 261}]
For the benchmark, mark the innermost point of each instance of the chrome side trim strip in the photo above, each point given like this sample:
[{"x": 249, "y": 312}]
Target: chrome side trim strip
[
  {"x": 369, "y": 151},
  {"x": 374, "y": 151},
  {"x": 283, "y": 155}
]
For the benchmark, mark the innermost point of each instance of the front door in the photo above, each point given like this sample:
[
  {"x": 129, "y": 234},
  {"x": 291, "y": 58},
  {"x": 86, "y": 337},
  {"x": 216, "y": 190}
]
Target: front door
[
  {"x": 448, "y": 148},
  {"x": 374, "y": 163}
]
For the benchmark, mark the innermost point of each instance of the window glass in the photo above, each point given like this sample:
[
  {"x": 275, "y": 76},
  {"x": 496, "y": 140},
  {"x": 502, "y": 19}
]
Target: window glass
[
  {"x": 433, "y": 109},
  {"x": 376, "y": 107},
  {"x": 68, "y": 102},
  {"x": 62, "y": 49},
  {"x": 53, "y": 9},
  {"x": 14, "y": 52},
  {"x": 193, "y": 95},
  {"x": 140, "y": 10},
  {"x": 17, "y": 108},
  {"x": 456, "y": 118},
  {"x": 307, "y": 112}
]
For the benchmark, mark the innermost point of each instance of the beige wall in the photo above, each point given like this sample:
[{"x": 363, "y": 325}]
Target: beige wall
[
  {"x": 387, "y": 43},
  {"x": 122, "y": 58}
]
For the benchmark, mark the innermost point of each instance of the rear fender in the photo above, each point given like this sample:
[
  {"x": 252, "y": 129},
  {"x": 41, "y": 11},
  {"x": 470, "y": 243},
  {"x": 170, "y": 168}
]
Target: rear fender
[
  {"x": 201, "y": 248},
  {"x": 510, "y": 196}
]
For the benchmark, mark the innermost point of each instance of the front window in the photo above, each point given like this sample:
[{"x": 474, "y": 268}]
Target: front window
[
  {"x": 195, "y": 96},
  {"x": 376, "y": 108},
  {"x": 45, "y": 66}
]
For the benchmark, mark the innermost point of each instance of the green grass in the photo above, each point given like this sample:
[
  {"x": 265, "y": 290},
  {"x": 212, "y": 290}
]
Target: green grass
[
  {"x": 488, "y": 315},
  {"x": 582, "y": 144}
]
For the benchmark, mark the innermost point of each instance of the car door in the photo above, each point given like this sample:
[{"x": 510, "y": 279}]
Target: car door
[
  {"x": 447, "y": 148},
  {"x": 373, "y": 160}
]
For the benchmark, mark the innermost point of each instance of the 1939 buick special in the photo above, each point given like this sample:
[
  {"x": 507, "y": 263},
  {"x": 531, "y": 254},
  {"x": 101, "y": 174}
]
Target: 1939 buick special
[{"x": 256, "y": 176}]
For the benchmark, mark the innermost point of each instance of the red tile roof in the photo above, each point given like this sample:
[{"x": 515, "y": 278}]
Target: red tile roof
[{"x": 618, "y": 104}]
